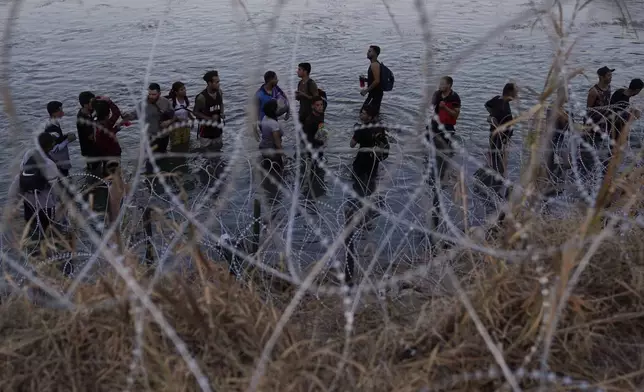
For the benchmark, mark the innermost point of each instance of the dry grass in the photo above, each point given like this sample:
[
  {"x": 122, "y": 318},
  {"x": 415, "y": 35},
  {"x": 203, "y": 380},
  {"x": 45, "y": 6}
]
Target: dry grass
[{"x": 225, "y": 325}]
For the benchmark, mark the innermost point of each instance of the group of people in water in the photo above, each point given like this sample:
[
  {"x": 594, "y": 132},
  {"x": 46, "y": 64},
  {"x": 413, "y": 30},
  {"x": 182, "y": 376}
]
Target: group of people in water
[{"x": 168, "y": 122}]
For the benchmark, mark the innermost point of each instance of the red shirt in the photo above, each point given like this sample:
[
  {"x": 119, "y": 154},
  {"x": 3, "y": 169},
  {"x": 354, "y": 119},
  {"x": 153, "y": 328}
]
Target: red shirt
[
  {"x": 452, "y": 101},
  {"x": 107, "y": 144}
]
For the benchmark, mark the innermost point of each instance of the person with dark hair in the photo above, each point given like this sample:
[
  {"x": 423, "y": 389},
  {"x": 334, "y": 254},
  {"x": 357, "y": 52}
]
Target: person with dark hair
[
  {"x": 209, "y": 107},
  {"x": 500, "y": 114},
  {"x": 270, "y": 91},
  {"x": 60, "y": 152},
  {"x": 38, "y": 175},
  {"x": 366, "y": 164},
  {"x": 270, "y": 147},
  {"x": 621, "y": 111},
  {"x": 597, "y": 110},
  {"x": 180, "y": 137},
  {"x": 85, "y": 128},
  {"x": 374, "y": 87},
  {"x": 314, "y": 124},
  {"x": 159, "y": 115},
  {"x": 105, "y": 128},
  {"x": 447, "y": 108},
  {"x": 599, "y": 96},
  {"x": 620, "y": 101},
  {"x": 365, "y": 173},
  {"x": 315, "y": 135},
  {"x": 306, "y": 90}
]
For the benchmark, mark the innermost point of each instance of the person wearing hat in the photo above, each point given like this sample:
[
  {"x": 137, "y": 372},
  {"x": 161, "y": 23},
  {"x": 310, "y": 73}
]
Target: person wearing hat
[{"x": 596, "y": 108}]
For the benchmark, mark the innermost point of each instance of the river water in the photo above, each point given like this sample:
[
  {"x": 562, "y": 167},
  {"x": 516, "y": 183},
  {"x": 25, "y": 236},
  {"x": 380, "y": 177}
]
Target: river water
[{"x": 59, "y": 48}]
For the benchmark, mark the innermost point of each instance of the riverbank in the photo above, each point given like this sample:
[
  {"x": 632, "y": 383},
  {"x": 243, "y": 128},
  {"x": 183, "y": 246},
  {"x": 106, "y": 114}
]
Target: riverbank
[{"x": 410, "y": 339}]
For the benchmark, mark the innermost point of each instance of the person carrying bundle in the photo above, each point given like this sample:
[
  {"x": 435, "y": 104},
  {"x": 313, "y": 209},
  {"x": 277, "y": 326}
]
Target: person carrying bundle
[{"x": 271, "y": 91}]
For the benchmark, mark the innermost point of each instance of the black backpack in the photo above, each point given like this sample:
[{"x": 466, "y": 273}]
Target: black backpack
[
  {"x": 386, "y": 78},
  {"x": 31, "y": 179}
]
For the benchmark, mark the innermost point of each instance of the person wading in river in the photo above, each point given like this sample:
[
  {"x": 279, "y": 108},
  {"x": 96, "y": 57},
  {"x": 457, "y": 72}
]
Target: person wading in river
[
  {"x": 557, "y": 119},
  {"x": 599, "y": 96},
  {"x": 622, "y": 113},
  {"x": 306, "y": 90},
  {"x": 316, "y": 135},
  {"x": 85, "y": 128},
  {"x": 159, "y": 114},
  {"x": 60, "y": 152},
  {"x": 621, "y": 107},
  {"x": 272, "y": 154},
  {"x": 367, "y": 136},
  {"x": 209, "y": 107},
  {"x": 597, "y": 108},
  {"x": 159, "y": 117},
  {"x": 500, "y": 114},
  {"x": 374, "y": 90},
  {"x": 447, "y": 107},
  {"x": 271, "y": 91},
  {"x": 314, "y": 127},
  {"x": 107, "y": 115},
  {"x": 180, "y": 136}
]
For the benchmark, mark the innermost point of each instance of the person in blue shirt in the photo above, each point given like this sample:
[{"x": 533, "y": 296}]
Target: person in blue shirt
[{"x": 270, "y": 90}]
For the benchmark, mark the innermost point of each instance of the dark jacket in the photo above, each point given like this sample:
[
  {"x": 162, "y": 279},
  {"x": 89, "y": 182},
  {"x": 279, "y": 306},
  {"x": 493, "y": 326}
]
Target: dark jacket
[{"x": 60, "y": 153}]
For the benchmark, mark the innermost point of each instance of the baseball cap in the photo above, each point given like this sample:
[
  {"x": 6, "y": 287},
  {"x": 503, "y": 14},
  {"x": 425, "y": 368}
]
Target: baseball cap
[{"x": 604, "y": 70}]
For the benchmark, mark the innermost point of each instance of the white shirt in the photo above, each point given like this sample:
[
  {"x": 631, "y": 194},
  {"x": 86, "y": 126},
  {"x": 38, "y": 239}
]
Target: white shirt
[{"x": 180, "y": 110}]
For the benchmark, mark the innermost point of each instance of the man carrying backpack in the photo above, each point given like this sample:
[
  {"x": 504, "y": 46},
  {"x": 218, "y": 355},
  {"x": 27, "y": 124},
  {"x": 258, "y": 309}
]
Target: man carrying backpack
[{"x": 379, "y": 80}]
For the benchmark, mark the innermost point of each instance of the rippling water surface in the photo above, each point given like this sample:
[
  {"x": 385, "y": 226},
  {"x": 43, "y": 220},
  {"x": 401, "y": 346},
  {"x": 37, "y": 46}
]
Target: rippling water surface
[{"x": 60, "y": 48}]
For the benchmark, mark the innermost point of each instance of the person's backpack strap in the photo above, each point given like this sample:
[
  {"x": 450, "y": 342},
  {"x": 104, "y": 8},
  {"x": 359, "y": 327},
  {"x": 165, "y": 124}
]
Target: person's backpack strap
[
  {"x": 308, "y": 87},
  {"x": 320, "y": 93}
]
